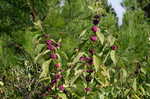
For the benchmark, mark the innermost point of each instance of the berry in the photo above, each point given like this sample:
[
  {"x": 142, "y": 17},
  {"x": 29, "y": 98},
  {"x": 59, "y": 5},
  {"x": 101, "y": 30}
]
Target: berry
[
  {"x": 54, "y": 81},
  {"x": 58, "y": 76},
  {"x": 97, "y": 16},
  {"x": 53, "y": 56},
  {"x": 50, "y": 47},
  {"x": 93, "y": 38},
  {"x": 49, "y": 89},
  {"x": 94, "y": 28},
  {"x": 95, "y": 22},
  {"x": 92, "y": 51},
  {"x": 49, "y": 42},
  {"x": 89, "y": 71},
  {"x": 89, "y": 59},
  {"x": 58, "y": 65},
  {"x": 62, "y": 88},
  {"x": 88, "y": 89},
  {"x": 114, "y": 47},
  {"x": 82, "y": 58}
]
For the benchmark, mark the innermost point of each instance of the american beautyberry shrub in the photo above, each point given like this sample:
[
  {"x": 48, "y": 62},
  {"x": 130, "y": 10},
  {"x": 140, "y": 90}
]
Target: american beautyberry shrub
[{"x": 85, "y": 69}]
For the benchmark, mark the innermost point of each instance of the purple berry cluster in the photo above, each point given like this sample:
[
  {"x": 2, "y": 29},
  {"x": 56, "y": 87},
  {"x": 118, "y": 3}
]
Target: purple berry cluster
[
  {"x": 51, "y": 45},
  {"x": 96, "y": 19}
]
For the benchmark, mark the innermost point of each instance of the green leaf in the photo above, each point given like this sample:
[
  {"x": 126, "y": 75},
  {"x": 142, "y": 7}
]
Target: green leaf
[
  {"x": 100, "y": 37},
  {"x": 113, "y": 57},
  {"x": 97, "y": 62},
  {"x": 45, "y": 68},
  {"x": 134, "y": 86},
  {"x": 111, "y": 40}
]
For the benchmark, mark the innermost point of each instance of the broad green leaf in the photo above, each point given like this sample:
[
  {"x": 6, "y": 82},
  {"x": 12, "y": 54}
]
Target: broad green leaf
[
  {"x": 45, "y": 68},
  {"x": 113, "y": 57},
  {"x": 62, "y": 95},
  {"x": 97, "y": 62},
  {"x": 100, "y": 37},
  {"x": 134, "y": 86}
]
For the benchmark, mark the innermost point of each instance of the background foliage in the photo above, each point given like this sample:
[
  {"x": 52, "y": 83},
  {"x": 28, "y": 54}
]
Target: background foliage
[{"x": 27, "y": 72}]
